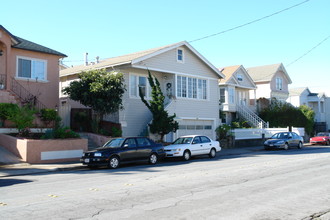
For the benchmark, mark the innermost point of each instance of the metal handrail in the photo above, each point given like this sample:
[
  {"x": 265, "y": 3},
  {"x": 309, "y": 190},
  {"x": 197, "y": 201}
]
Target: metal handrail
[
  {"x": 252, "y": 117},
  {"x": 25, "y": 96}
]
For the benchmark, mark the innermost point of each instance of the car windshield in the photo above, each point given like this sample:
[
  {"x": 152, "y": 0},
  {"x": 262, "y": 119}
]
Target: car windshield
[
  {"x": 322, "y": 134},
  {"x": 114, "y": 143},
  {"x": 183, "y": 140},
  {"x": 280, "y": 136}
]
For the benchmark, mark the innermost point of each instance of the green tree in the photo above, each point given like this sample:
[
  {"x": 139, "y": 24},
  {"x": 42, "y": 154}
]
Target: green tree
[
  {"x": 100, "y": 90},
  {"x": 162, "y": 123},
  {"x": 283, "y": 114},
  {"x": 309, "y": 114}
]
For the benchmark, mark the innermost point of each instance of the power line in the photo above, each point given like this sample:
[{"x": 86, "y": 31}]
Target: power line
[
  {"x": 308, "y": 51},
  {"x": 248, "y": 23}
]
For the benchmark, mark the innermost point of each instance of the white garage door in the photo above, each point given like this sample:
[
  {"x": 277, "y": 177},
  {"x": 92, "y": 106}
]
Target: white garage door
[{"x": 198, "y": 127}]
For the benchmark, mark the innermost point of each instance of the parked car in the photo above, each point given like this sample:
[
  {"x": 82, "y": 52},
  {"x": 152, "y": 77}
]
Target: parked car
[
  {"x": 192, "y": 145},
  {"x": 284, "y": 140},
  {"x": 321, "y": 138},
  {"x": 124, "y": 150}
]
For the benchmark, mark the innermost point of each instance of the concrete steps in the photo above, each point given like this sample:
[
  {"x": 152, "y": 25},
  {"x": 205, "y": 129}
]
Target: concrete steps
[{"x": 7, "y": 97}]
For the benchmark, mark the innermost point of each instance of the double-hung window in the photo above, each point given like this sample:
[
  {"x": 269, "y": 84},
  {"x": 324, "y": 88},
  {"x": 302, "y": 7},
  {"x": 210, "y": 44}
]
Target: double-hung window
[
  {"x": 279, "y": 83},
  {"x": 138, "y": 83},
  {"x": 31, "y": 68},
  {"x": 193, "y": 88},
  {"x": 180, "y": 56}
]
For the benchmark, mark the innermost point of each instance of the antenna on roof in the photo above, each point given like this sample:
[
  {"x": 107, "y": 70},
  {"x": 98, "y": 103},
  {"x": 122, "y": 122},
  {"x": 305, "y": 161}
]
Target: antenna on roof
[{"x": 86, "y": 58}]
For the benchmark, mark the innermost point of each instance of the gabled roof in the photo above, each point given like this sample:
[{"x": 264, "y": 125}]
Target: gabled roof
[
  {"x": 298, "y": 91},
  {"x": 20, "y": 43},
  {"x": 267, "y": 72},
  {"x": 137, "y": 57},
  {"x": 229, "y": 73}
]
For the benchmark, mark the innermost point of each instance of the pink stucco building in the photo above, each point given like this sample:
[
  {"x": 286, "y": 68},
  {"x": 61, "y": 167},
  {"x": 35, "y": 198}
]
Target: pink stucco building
[{"x": 28, "y": 71}]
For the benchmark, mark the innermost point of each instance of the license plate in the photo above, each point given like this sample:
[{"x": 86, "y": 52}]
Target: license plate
[{"x": 86, "y": 160}]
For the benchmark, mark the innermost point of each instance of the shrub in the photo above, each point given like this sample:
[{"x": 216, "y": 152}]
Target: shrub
[
  {"x": 116, "y": 132},
  {"x": 23, "y": 119},
  {"x": 60, "y": 133},
  {"x": 7, "y": 109},
  {"x": 222, "y": 131},
  {"x": 48, "y": 115}
]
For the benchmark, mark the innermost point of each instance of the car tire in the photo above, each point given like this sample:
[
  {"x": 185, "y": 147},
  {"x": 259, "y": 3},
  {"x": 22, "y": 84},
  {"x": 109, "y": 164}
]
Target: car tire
[
  {"x": 114, "y": 162},
  {"x": 286, "y": 146},
  {"x": 300, "y": 145},
  {"x": 186, "y": 155},
  {"x": 153, "y": 158},
  {"x": 212, "y": 153},
  {"x": 328, "y": 142}
]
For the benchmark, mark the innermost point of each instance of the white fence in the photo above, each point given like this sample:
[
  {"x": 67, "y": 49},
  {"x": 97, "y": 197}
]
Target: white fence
[{"x": 256, "y": 133}]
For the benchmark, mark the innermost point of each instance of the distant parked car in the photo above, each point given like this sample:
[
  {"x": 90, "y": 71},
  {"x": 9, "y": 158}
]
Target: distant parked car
[
  {"x": 124, "y": 150},
  {"x": 284, "y": 140},
  {"x": 321, "y": 138},
  {"x": 192, "y": 145}
]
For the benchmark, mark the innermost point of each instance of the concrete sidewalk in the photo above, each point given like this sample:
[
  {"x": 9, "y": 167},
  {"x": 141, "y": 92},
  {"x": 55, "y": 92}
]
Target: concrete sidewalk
[{"x": 19, "y": 168}]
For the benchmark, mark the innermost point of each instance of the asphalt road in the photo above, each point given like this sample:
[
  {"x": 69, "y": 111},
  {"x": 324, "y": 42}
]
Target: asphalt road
[{"x": 293, "y": 184}]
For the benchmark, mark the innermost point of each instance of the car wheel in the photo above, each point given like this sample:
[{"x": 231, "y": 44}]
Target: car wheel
[
  {"x": 328, "y": 142},
  {"x": 186, "y": 155},
  {"x": 286, "y": 146},
  {"x": 153, "y": 159},
  {"x": 300, "y": 145},
  {"x": 212, "y": 153},
  {"x": 114, "y": 162}
]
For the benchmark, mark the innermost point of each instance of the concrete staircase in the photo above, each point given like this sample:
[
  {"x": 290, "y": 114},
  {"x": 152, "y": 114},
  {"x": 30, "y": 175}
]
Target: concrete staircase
[{"x": 7, "y": 97}]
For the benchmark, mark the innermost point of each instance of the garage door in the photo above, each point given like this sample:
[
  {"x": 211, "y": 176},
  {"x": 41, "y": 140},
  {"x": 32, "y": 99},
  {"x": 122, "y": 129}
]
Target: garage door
[{"x": 198, "y": 127}]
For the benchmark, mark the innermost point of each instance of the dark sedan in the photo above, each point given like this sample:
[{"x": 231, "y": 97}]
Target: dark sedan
[
  {"x": 284, "y": 140},
  {"x": 124, "y": 150}
]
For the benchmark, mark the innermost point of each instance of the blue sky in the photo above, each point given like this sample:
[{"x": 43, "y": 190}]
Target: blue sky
[{"x": 108, "y": 28}]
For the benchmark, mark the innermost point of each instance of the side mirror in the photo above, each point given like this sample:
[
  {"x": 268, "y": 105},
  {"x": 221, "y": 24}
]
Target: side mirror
[{"x": 125, "y": 145}]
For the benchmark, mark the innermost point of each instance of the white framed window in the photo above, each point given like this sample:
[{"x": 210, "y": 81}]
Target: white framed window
[
  {"x": 180, "y": 55},
  {"x": 222, "y": 95},
  {"x": 279, "y": 83},
  {"x": 30, "y": 68},
  {"x": 192, "y": 88},
  {"x": 231, "y": 95},
  {"x": 239, "y": 77},
  {"x": 136, "y": 83}
]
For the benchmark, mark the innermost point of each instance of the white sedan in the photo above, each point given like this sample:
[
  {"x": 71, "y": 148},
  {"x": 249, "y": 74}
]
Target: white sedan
[{"x": 192, "y": 145}]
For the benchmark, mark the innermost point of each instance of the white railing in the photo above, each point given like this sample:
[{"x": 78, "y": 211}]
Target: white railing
[
  {"x": 257, "y": 133},
  {"x": 251, "y": 117}
]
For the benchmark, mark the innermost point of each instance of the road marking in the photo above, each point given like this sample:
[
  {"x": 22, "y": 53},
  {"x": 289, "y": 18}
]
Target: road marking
[{"x": 53, "y": 196}]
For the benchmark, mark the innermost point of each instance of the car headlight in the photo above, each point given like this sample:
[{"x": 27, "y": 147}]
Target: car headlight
[
  {"x": 97, "y": 154},
  {"x": 324, "y": 139}
]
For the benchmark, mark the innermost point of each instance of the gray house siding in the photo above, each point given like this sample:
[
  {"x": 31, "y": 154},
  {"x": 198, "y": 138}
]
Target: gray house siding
[{"x": 191, "y": 65}]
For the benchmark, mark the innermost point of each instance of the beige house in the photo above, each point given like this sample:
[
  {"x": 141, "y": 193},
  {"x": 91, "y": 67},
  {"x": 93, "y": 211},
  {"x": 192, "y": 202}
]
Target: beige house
[
  {"x": 29, "y": 72},
  {"x": 236, "y": 91},
  {"x": 271, "y": 80},
  {"x": 189, "y": 81}
]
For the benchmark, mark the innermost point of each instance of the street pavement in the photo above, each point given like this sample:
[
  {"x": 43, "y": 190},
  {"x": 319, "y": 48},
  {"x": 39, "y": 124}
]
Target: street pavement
[{"x": 20, "y": 168}]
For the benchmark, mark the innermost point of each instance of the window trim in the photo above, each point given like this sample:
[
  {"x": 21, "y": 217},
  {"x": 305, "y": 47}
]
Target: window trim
[
  {"x": 202, "y": 93},
  {"x": 32, "y": 60},
  {"x": 182, "y": 55},
  {"x": 279, "y": 83},
  {"x": 148, "y": 89}
]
